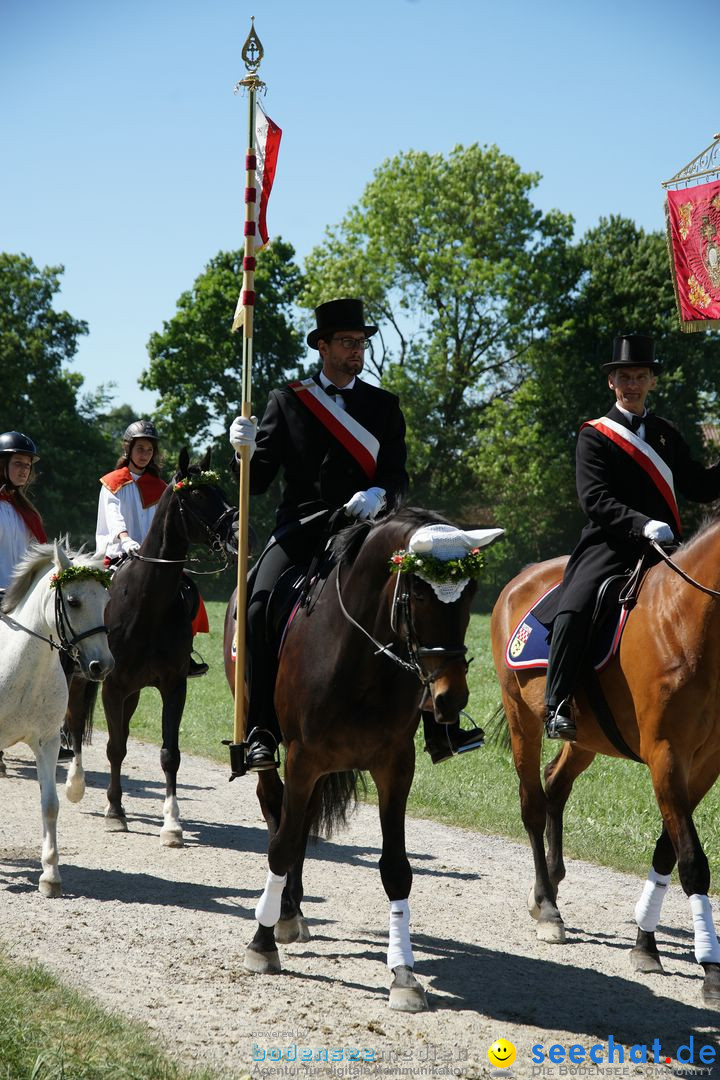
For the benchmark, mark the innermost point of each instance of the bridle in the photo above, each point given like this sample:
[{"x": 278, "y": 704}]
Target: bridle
[
  {"x": 402, "y": 616},
  {"x": 66, "y": 632},
  {"x": 213, "y": 533}
]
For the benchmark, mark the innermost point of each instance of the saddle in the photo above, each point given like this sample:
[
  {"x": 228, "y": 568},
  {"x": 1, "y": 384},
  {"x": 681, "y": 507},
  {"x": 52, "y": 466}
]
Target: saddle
[{"x": 529, "y": 644}]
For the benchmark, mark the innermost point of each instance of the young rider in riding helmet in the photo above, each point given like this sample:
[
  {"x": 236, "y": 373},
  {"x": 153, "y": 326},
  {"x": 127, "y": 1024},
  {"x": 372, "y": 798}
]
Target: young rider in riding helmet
[
  {"x": 128, "y": 498},
  {"x": 20, "y": 522}
]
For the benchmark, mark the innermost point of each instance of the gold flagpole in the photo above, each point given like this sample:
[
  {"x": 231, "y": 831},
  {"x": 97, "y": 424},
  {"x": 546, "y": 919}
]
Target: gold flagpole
[{"x": 252, "y": 54}]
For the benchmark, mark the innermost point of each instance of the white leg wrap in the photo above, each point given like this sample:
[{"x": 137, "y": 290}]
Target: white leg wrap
[
  {"x": 648, "y": 907},
  {"x": 707, "y": 949},
  {"x": 267, "y": 911},
  {"x": 399, "y": 948}
]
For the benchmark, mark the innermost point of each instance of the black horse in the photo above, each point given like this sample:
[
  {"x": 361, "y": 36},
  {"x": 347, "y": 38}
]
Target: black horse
[
  {"x": 356, "y": 663},
  {"x": 149, "y": 619}
]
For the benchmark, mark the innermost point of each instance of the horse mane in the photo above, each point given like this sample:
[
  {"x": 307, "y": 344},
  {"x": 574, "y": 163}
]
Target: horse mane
[
  {"x": 36, "y": 561},
  {"x": 347, "y": 543},
  {"x": 708, "y": 522}
]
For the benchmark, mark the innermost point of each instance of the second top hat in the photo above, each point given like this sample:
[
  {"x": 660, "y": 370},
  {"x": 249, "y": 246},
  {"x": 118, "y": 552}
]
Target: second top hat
[{"x": 633, "y": 350}]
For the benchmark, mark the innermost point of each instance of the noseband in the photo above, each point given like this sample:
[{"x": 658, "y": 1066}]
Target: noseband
[{"x": 402, "y": 615}]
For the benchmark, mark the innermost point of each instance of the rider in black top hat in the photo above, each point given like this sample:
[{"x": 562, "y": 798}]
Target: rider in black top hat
[
  {"x": 339, "y": 442},
  {"x": 628, "y": 464}
]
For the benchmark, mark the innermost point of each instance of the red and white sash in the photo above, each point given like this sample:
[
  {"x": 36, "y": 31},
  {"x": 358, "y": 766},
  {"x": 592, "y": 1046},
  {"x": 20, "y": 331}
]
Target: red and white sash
[
  {"x": 644, "y": 456},
  {"x": 360, "y": 443}
]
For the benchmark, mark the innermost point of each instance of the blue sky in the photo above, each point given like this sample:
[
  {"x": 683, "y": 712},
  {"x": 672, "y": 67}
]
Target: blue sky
[{"x": 123, "y": 144}]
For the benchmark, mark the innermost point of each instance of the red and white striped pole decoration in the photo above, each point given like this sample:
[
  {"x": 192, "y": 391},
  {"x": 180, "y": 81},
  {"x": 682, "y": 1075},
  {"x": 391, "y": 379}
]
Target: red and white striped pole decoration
[{"x": 252, "y": 55}]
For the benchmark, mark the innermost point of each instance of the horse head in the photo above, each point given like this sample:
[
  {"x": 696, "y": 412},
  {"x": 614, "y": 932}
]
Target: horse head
[
  {"x": 207, "y": 517},
  {"x": 79, "y": 584},
  {"x": 428, "y": 573}
]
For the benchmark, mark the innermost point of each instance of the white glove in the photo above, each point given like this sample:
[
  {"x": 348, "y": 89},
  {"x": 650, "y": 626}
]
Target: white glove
[
  {"x": 366, "y": 505},
  {"x": 242, "y": 433},
  {"x": 128, "y": 545},
  {"x": 658, "y": 530}
]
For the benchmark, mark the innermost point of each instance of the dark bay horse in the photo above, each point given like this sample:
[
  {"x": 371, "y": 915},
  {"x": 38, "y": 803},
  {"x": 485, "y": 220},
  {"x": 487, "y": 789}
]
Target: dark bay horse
[
  {"x": 150, "y": 634},
  {"x": 663, "y": 688},
  {"x": 355, "y": 665}
]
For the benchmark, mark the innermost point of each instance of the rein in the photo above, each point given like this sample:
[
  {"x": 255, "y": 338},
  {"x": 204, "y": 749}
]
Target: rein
[
  {"x": 686, "y": 577},
  {"x": 402, "y": 603},
  {"x": 215, "y": 543}
]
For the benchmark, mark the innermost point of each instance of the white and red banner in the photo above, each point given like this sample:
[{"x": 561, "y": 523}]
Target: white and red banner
[{"x": 267, "y": 144}]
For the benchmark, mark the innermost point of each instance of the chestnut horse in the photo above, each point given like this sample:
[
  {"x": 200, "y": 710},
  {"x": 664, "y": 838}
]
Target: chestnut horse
[
  {"x": 662, "y": 688},
  {"x": 355, "y": 664}
]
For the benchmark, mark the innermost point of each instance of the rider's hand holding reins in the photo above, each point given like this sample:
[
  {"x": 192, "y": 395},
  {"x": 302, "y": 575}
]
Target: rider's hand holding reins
[
  {"x": 129, "y": 545},
  {"x": 366, "y": 505},
  {"x": 658, "y": 530},
  {"x": 243, "y": 433}
]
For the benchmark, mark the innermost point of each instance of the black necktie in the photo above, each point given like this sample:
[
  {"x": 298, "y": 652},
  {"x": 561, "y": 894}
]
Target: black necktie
[
  {"x": 336, "y": 391},
  {"x": 636, "y": 421}
]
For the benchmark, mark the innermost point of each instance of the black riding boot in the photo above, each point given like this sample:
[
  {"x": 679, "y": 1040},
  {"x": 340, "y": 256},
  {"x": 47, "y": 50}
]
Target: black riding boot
[
  {"x": 567, "y": 647},
  {"x": 443, "y": 741}
]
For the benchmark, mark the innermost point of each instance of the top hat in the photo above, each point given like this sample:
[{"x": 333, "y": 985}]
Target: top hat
[
  {"x": 633, "y": 350},
  {"x": 345, "y": 314}
]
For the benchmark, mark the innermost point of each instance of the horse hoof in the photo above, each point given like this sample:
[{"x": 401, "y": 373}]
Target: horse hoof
[
  {"x": 293, "y": 929},
  {"x": 552, "y": 932},
  {"x": 646, "y": 963},
  {"x": 50, "y": 889},
  {"x": 171, "y": 838},
  {"x": 262, "y": 963},
  {"x": 711, "y": 986},
  {"x": 74, "y": 792},
  {"x": 115, "y": 823},
  {"x": 406, "y": 993}
]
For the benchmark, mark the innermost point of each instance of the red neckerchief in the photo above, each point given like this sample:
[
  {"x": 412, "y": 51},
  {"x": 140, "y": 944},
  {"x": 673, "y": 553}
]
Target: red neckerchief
[
  {"x": 150, "y": 487},
  {"x": 31, "y": 517}
]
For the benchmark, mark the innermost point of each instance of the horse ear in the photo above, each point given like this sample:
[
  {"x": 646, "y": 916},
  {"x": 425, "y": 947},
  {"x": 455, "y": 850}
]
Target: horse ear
[
  {"x": 205, "y": 463},
  {"x": 62, "y": 561},
  {"x": 183, "y": 461}
]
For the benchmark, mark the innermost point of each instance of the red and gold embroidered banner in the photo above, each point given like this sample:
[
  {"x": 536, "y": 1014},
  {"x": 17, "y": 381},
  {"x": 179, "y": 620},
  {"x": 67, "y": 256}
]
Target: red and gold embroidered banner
[{"x": 693, "y": 227}]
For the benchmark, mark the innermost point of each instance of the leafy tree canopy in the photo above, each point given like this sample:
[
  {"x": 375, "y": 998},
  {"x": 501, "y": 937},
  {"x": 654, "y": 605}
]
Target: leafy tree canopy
[
  {"x": 463, "y": 273},
  {"x": 41, "y": 398}
]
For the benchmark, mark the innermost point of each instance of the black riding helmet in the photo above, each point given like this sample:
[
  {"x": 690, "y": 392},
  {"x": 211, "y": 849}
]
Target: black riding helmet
[
  {"x": 140, "y": 429},
  {"x": 14, "y": 442}
]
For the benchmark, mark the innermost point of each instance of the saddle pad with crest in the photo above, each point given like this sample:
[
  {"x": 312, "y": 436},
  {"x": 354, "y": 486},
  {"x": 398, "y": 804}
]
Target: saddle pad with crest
[{"x": 529, "y": 645}]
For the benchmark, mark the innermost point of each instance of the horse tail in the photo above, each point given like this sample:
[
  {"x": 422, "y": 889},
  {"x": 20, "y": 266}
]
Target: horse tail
[
  {"x": 337, "y": 795},
  {"x": 497, "y": 731},
  {"x": 91, "y": 696}
]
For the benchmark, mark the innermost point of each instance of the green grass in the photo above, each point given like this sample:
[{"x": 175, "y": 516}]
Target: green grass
[
  {"x": 611, "y": 819},
  {"x": 50, "y": 1033}
]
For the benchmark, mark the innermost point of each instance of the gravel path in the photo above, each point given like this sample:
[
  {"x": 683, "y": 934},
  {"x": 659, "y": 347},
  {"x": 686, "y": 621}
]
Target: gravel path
[{"x": 160, "y": 934}]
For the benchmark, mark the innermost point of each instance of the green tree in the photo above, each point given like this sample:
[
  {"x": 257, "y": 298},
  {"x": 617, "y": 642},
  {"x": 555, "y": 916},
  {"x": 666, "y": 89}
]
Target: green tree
[
  {"x": 42, "y": 398},
  {"x": 196, "y": 361},
  {"x": 462, "y": 272}
]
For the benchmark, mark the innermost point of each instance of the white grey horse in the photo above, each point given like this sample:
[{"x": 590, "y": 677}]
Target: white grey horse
[{"x": 55, "y": 601}]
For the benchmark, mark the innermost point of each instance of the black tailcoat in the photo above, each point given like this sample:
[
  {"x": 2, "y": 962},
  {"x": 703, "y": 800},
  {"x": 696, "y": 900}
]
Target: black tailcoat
[
  {"x": 318, "y": 473},
  {"x": 619, "y": 498}
]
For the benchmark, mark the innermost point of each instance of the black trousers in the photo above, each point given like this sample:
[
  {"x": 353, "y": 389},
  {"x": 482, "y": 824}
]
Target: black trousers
[
  {"x": 294, "y": 548},
  {"x": 567, "y": 648}
]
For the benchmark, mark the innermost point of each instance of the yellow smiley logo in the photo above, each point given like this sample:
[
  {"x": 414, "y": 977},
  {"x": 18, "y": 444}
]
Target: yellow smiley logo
[{"x": 501, "y": 1054}]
